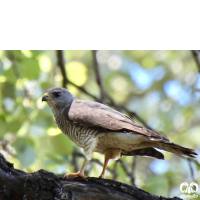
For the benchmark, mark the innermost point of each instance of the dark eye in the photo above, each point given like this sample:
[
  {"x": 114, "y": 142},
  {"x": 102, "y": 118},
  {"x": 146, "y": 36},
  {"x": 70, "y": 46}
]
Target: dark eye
[{"x": 56, "y": 94}]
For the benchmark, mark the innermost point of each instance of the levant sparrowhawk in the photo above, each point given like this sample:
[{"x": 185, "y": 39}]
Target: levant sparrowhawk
[{"x": 96, "y": 127}]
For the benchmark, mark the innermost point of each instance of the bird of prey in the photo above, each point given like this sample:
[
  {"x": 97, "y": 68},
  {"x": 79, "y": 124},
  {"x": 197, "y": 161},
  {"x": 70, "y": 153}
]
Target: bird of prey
[{"x": 96, "y": 127}]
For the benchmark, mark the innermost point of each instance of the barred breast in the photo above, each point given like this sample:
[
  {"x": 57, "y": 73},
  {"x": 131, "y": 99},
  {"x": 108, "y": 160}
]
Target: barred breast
[{"x": 83, "y": 136}]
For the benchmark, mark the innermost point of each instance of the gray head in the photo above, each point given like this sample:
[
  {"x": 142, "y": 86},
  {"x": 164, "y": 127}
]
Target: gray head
[{"x": 58, "y": 98}]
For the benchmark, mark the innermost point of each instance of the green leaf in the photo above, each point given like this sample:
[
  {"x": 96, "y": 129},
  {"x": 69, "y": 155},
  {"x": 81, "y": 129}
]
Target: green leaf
[
  {"x": 1, "y": 67},
  {"x": 8, "y": 90},
  {"x": 61, "y": 144},
  {"x": 29, "y": 68},
  {"x": 14, "y": 126},
  {"x": 36, "y": 130},
  {"x": 27, "y": 156},
  {"x": 25, "y": 151},
  {"x": 3, "y": 126},
  {"x": 157, "y": 185},
  {"x": 77, "y": 72}
]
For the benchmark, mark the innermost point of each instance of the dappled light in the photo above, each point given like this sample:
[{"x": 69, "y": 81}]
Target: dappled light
[{"x": 157, "y": 89}]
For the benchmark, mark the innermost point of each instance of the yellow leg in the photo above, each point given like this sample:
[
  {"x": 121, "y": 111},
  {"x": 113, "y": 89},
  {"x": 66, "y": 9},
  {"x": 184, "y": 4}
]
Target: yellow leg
[
  {"x": 110, "y": 154},
  {"x": 107, "y": 158},
  {"x": 79, "y": 173}
]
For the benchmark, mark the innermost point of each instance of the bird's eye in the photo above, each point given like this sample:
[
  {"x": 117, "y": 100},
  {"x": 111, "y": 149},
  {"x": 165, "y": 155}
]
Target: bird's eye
[{"x": 56, "y": 94}]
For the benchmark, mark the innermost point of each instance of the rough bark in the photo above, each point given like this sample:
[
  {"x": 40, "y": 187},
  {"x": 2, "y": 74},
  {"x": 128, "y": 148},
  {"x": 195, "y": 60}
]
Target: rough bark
[{"x": 42, "y": 185}]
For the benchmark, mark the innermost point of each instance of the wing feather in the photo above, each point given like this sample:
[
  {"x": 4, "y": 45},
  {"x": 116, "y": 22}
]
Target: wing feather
[{"x": 90, "y": 113}]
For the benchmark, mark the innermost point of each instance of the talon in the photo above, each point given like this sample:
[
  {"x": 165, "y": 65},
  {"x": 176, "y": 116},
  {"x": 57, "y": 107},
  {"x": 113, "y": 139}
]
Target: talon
[
  {"x": 78, "y": 174},
  {"x": 84, "y": 177}
]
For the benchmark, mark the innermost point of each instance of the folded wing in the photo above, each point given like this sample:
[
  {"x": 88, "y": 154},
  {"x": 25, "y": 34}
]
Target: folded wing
[{"x": 95, "y": 114}]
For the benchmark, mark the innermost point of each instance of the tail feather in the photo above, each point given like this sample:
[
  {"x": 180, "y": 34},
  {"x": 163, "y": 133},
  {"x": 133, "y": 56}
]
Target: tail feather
[
  {"x": 144, "y": 152},
  {"x": 164, "y": 145},
  {"x": 175, "y": 148}
]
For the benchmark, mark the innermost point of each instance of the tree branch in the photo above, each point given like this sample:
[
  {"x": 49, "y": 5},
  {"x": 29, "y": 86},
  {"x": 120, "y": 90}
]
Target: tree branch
[
  {"x": 82, "y": 89},
  {"x": 130, "y": 113},
  {"x": 190, "y": 161},
  {"x": 196, "y": 55},
  {"x": 133, "y": 169},
  {"x": 27, "y": 96},
  {"x": 61, "y": 64},
  {"x": 105, "y": 95},
  {"x": 42, "y": 185},
  {"x": 98, "y": 76}
]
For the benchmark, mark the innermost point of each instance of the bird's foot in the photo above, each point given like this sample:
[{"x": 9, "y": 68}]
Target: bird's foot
[{"x": 78, "y": 174}]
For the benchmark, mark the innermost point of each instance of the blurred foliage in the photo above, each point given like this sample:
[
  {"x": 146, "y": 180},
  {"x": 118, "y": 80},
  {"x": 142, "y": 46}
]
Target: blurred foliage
[{"x": 162, "y": 87}]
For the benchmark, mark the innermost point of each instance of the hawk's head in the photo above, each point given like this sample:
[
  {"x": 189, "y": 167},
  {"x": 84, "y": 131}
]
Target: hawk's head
[{"x": 58, "y": 98}]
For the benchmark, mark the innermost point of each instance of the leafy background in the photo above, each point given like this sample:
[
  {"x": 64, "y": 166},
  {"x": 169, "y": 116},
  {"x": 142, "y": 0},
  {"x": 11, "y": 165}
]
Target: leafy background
[{"x": 159, "y": 89}]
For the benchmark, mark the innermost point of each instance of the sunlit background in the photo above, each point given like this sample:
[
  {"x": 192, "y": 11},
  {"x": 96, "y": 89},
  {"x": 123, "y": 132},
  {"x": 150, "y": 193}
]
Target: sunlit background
[{"x": 161, "y": 87}]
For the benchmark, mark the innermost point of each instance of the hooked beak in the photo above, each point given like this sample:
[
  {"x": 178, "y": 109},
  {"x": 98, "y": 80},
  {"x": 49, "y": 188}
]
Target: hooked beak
[{"x": 46, "y": 97}]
